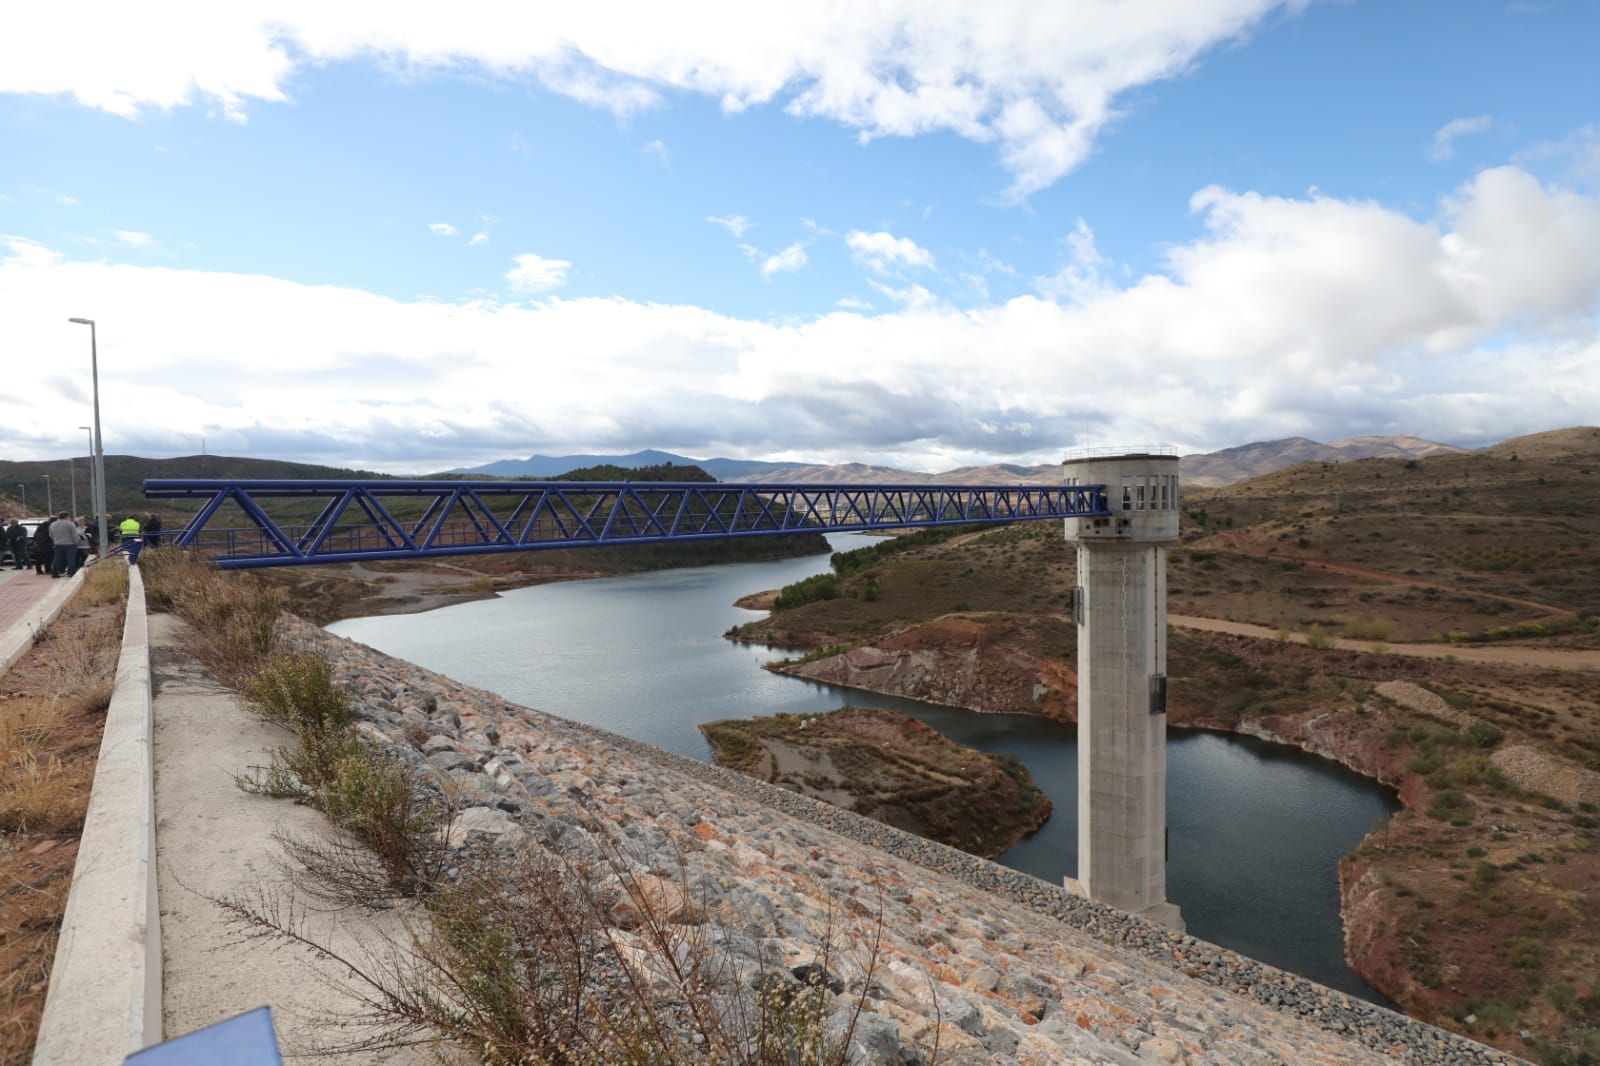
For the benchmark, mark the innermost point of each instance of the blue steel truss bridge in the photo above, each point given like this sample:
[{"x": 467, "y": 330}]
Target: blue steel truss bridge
[{"x": 247, "y": 524}]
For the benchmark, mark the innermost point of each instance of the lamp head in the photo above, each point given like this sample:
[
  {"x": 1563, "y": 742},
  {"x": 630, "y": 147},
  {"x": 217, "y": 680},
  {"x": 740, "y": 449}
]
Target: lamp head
[{"x": 82, "y": 321}]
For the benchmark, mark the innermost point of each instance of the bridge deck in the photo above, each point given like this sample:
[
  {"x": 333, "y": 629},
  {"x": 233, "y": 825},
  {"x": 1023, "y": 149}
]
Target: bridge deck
[{"x": 349, "y": 521}]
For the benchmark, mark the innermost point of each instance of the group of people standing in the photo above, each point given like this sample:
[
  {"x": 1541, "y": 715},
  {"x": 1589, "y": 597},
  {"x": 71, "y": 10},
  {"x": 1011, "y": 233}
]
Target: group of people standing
[{"x": 61, "y": 545}]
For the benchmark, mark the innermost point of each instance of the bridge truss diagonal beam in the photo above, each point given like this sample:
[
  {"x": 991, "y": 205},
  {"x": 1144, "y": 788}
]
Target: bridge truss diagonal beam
[{"x": 341, "y": 521}]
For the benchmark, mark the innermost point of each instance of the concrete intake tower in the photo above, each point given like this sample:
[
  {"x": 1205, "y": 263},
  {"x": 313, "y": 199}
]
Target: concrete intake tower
[{"x": 1120, "y": 607}]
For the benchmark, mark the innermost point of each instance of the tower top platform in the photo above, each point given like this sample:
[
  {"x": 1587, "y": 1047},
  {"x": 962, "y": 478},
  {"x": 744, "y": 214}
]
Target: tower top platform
[{"x": 1141, "y": 491}]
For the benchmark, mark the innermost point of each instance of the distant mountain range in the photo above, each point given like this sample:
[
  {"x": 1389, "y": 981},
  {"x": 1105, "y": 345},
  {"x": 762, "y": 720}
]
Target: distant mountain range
[
  {"x": 1212, "y": 468},
  {"x": 1246, "y": 461},
  {"x": 535, "y": 467}
]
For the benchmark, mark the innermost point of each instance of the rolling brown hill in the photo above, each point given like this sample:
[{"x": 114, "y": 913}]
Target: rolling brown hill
[
  {"x": 1231, "y": 465},
  {"x": 1572, "y": 443},
  {"x": 1501, "y": 529}
]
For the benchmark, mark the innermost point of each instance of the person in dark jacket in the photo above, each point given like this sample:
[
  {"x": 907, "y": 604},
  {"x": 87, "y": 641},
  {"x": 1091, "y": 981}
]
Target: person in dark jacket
[
  {"x": 152, "y": 530},
  {"x": 17, "y": 541},
  {"x": 42, "y": 548}
]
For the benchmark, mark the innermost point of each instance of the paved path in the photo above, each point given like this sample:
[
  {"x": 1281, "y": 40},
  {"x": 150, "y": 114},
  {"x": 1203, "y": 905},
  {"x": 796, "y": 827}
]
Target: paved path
[
  {"x": 20, "y": 590},
  {"x": 214, "y": 841},
  {"x": 27, "y": 602}
]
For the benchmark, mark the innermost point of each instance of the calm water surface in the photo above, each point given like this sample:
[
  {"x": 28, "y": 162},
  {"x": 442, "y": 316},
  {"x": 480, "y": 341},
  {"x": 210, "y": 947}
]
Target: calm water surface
[{"x": 1257, "y": 829}]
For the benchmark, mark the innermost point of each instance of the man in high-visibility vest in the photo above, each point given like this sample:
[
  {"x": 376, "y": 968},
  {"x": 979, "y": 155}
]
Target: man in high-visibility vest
[{"x": 129, "y": 529}]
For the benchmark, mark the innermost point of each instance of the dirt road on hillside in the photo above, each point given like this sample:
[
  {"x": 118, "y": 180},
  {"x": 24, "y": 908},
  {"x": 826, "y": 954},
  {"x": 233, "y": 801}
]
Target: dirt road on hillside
[{"x": 1548, "y": 658}]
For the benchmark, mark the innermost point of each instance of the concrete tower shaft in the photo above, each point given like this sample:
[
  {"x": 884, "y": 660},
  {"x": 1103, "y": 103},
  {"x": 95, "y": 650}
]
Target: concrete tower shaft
[{"x": 1121, "y": 611}]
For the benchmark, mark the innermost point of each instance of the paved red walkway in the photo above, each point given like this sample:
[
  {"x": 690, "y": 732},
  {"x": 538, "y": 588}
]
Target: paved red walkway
[{"x": 19, "y": 590}]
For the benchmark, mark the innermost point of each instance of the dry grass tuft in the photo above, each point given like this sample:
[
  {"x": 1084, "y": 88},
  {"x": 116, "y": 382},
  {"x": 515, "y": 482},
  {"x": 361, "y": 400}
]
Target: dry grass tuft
[
  {"x": 104, "y": 584},
  {"x": 36, "y": 788},
  {"x": 83, "y": 663},
  {"x": 31, "y": 797},
  {"x": 232, "y": 617},
  {"x": 27, "y": 724}
]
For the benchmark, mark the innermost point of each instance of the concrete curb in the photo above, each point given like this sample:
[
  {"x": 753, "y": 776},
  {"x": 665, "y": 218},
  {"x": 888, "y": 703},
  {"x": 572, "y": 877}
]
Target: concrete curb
[
  {"x": 104, "y": 1001},
  {"x": 19, "y": 636}
]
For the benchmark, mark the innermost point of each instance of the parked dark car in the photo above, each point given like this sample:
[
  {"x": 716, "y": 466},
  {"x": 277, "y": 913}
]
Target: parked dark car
[{"x": 32, "y": 526}]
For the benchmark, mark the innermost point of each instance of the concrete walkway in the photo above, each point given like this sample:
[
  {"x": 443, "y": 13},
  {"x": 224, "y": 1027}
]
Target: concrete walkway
[
  {"x": 215, "y": 841},
  {"x": 27, "y": 602}
]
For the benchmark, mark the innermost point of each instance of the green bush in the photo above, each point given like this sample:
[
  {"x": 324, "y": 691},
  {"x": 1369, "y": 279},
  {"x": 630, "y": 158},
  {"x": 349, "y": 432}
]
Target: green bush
[
  {"x": 1485, "y": 734},
  {"x": 1526, "y": 954},
  {"x": 810, "y": 590},
  {"x": 298, "y": 691},
  {"x": 1449, "y": 805}
]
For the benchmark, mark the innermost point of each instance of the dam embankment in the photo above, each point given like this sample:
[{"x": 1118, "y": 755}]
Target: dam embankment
[{"x": 992, "y": 961}]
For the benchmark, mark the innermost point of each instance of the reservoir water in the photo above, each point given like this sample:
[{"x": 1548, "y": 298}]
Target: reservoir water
[{"x": 1257, "y": 829}]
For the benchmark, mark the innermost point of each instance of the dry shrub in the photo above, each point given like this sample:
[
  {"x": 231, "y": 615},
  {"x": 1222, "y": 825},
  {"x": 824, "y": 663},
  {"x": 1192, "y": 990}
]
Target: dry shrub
[
  {"x": 523, "y": 962},
  {"x": 232, "y": 616},
  {"x": 375, "y": 798},
  {"x": 1377, "y": 629},
  {"x": 368, "y": 794},
  {"x": 297, "y": 690}
]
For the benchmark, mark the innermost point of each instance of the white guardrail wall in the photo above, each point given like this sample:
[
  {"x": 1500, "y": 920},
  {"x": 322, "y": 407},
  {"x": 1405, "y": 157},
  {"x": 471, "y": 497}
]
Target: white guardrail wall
[{"x": 104, "y": 1001}]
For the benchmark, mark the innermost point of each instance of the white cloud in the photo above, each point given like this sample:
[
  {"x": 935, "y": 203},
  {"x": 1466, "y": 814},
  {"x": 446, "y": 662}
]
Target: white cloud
[
  {"x": 1444, "y": 138},
  {"x": 994, "y": 265},
  {"x": 1082, "y": 278},
  {"x": 657, "y": 150},
  {"x": 478, "y": 239},
  {"x": 851, "y": 303},
  {"x": 1038, "y": 80},
  {"x": 27, "y": 255},
  {"x": 912, "y": 297},
  {"x": 442, "y": 229},
  {"x": 134, "y": 237},
  {"x": 1308, "y": 315},
  {"x": 787, "y": 261},
  {"x": 881, "y": 252},
  {"x": 734, "y": 224},
  {"x": 1576, "y": 157},
  {"x": 531, "y": 273}
]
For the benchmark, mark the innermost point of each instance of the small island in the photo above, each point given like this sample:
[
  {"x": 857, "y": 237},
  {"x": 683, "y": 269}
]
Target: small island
[{"x": 890, "y": 767}]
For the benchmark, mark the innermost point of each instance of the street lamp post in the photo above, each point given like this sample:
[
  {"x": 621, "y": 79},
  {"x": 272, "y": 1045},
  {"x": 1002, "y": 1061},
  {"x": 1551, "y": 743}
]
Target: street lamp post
[
  {"x": 24, "y": 490},
  {"x": 72, "y": 479},
  {"x": 89, "y": 461},
  {"x": 49, "y": 498},
  {"x": 99, "y": 441}
]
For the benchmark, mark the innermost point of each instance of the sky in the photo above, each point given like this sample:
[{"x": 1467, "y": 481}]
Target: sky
[{"x": 922, "y": 233}]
